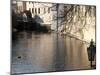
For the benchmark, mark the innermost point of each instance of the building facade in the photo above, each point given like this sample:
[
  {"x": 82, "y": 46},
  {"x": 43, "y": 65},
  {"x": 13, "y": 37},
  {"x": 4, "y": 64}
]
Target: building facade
[{"x": 41, "y": 12}]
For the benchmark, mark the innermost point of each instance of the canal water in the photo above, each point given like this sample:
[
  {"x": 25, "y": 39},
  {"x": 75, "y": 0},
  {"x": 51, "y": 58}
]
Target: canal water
[{"x": 33, "y": 53}]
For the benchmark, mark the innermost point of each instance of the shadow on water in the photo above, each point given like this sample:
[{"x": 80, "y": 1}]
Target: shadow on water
[{"x": 59, "y": 58}]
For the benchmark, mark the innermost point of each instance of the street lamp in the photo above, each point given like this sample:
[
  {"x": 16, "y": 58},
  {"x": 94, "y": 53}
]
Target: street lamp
[{"x": 91, "y": 52}]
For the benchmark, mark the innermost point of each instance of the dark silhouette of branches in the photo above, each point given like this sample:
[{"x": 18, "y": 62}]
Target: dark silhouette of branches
[{"x": 75, "y": 16}]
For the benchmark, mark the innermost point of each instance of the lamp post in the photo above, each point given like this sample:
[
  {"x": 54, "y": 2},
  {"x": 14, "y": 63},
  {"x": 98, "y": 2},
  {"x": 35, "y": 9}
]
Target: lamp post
[
  {"x": 57, "y": 15},
  {"x": 91, "y": 52}
]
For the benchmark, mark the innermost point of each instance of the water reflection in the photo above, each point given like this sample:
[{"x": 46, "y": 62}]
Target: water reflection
[{"x": 47, "y": 52}]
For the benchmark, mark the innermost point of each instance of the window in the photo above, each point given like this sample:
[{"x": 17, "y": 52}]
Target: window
[
  {"x": 39, "y": 10},
  {"x": 33, "y": 10},
  {"x": 48, "y": 10},
  {"x": 44, "y": 11}
]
